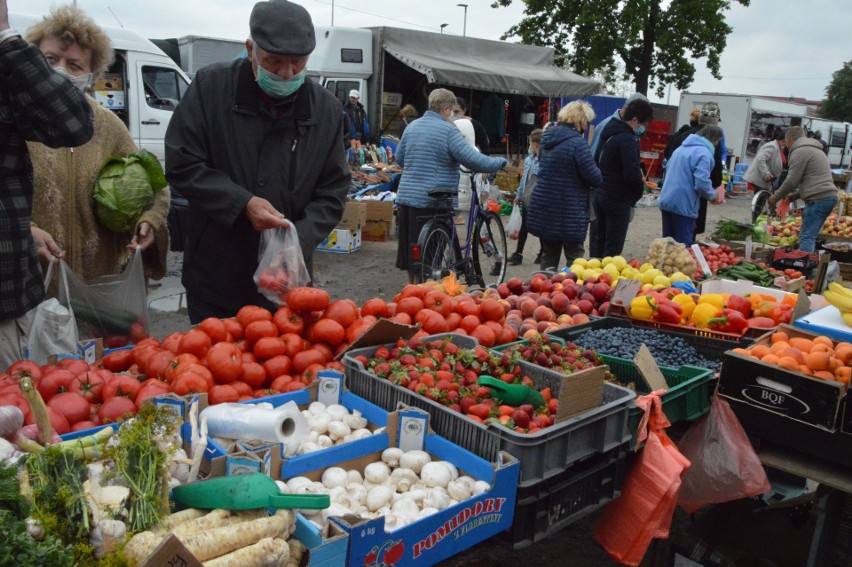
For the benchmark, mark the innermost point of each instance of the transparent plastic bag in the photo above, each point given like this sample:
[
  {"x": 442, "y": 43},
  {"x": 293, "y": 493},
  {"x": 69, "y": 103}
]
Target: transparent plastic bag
[
  {"x": 724, "y": 464},
  {"x": 53, "y": 330},
  {"x": 114, "y": 308},
  {"x": 670, "y": 256},
  {"x": 513, "y": 228},
  {"x": 282, "y": 265}
]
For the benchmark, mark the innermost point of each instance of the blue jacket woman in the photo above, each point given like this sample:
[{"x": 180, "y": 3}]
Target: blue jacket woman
[{"x": 559, "y": 208}]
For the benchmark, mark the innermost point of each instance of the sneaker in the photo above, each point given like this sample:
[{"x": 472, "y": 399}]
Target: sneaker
[
  {"x": 495, "y": 271},
  {"x": 516, "y": 258}
]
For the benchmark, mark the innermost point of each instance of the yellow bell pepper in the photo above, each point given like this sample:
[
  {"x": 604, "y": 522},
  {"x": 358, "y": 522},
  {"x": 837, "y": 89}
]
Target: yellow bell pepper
[
  {"x": 702, "y": 313},
  {"x": 642, "y": 307},
  {"x": 687, "y": 303},
  {"x": 714, "y": 299}
]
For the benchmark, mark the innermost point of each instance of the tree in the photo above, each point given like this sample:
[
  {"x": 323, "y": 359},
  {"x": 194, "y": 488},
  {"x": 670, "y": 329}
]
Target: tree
[
  {"x": 838, "y": 95},
  {"x": 615, "y": 84},
  {"x": 654, "y": 39}
]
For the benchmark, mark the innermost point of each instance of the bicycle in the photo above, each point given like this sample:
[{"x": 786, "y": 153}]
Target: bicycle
[{"x": 439, "y": 252}]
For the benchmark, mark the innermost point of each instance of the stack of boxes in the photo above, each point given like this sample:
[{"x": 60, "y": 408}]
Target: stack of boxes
[{"x": 345, "y": 238}]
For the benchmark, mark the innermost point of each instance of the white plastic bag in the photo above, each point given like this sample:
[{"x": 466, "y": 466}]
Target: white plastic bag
[
  {"x": 53, "y": 330},
  {"x": 281, "y": 264},
  {"x": 114, "y": 307},
  {"x": 513, "y": 229}
]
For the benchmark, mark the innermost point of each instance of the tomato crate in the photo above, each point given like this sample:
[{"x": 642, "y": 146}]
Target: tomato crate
[
  {"x": 544, "y": 508},
  {"x": 711, "y": 348},
  {"x": 620, "y": 311},
  {"x": 542, "y": 454}
]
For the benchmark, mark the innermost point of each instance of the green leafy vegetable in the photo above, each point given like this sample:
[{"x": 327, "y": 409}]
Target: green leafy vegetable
[
  {"x": 125, "y": 189},
  {"x": 21, "y": 550},
  {"x": 727, "y": 229}
]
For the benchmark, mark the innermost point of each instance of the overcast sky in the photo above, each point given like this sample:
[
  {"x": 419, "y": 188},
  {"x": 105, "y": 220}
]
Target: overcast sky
[{"x": 777, "y": 47}]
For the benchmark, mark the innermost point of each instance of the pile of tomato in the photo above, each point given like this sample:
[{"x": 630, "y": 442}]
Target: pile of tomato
[{"x": 720, "y": 257}]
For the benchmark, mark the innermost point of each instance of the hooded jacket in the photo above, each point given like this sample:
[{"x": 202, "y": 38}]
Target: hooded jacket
[
  {"x": 559, "y": 207},
  {"x": 223, "y": 147},
  {"x": 688, "y": 177},
  {"x": 808, "y": 171},
  {"x": 767, "y": 161},
  {"x": 620, "y": 164}
]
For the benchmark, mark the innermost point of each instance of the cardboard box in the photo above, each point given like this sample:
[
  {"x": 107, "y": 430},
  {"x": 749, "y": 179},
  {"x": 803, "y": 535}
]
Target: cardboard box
[
  {"x": 380, "y": 221},
  {"x": 743, "y": 287},
  {"x": 789, "y": 393},
  {"x": 354, "y": 216},
  {"x": 440, "y": 535},
  {"x": 326, "y": 548},
  {"x": 341, "y": 241}
]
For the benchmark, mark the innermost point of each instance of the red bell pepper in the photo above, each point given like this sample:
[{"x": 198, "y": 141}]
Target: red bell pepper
[
  {"x": 667, "y": 312},
  {"x": 782, "y": 313},
  {"x": 765, "y": 323},
  {"x": 731, "y": 321},
  {"x": 741, "y": 304}
]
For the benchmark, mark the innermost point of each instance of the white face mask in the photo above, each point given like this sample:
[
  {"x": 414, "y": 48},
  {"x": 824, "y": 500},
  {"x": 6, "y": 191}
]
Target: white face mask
[{"x": 82, "y": 82}]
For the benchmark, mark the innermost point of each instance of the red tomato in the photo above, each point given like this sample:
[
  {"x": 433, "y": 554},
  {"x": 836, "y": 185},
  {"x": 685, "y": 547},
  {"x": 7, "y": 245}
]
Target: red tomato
[
  {"x": 410, "y": 305},
  {"x": 196, "y": 342},
  {"x": 89, "y": 385},
  {"x": 288, "y": 321},
  {"x": 242, "y": 388},
  {"x": 118, "y": 361},
  {"x": 58, "y": 422},
  {"x": 215, "y": 329},
  {"x": 376, "y": 307},
  {"x": 259, "y": 329},
  {"x": 180, "y": 362},
  {"x": 235, "y": 329},
  {"x": 190, "y": 382},
  {"x": 253, "y": 374},
  {"x": 158, "y": 364},
  {"x": 150, "y": 391},
  {"x": 54, "y": 382},
  {"x": 307, "y": 357},
  {"x": 277, "y": 365},
  {"x": 432, "y": 321},
  {"x": 327, "y": 351},
  {"x": 280, "y": 383},
  {"x": 251, "y": 313},
  {"x": 439, "y": 302},
  {"x": 75, "y": 365},
  {"x": 70, "y": 404},
  {"x": 295, "y": 344},
  {"x": 225, "y": 361},
  {"x": 22, "y": 368},
  {"x": 141, "y": 356},
  {"x": 344, "y": 311},
  {"x": 491, "y": 310},
  {"x": 124, "y": 386},
  {"x": 172, "y": 342},
  {"x": 116, "y": 409},
  {"x": 84, "y": 425},
  {"x": 222, "y": 393},
  {"x": 267, "y": 347},
  {"x": 304, "y": 299},
  {"x": 328, "y": 331},
  {"x": 484, "y": 335}
]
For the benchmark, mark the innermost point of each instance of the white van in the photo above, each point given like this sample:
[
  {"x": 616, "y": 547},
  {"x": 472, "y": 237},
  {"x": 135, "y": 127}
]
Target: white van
[{"x": 143, "y": 87}]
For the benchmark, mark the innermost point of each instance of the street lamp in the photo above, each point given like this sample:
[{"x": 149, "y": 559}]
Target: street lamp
[
  {"x": 464, "y": 32},
  {"x": 443, "y": 26}
]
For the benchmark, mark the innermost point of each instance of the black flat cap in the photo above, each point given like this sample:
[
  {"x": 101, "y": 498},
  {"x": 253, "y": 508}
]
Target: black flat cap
[{"x": 282, "y": 28}]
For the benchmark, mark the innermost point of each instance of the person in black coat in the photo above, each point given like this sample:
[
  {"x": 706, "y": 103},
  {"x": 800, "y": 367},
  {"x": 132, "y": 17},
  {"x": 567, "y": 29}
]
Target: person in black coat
[{"x": 623, "y": 179}]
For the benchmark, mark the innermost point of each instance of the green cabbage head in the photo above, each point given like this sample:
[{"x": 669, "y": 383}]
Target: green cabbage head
[{"x": 125, "y": 190}]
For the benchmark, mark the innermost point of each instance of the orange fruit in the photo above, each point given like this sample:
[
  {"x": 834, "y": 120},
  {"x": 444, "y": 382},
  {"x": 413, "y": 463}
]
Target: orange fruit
[
  {"x": 843, "y": 351},
  {"x": 818, "y": 360},
  {"x": 801, "y": 343},
  {"x": 759, "y": 351},
  {"x": 803, "y": 368},
  {"x": 820, "y": 347},
  {"x": 779, "y": 346},
  {"x": 793, "y": 353},
  {"x": 788, "y": 363},
  {"x": 778, "y": 337},
  {"x": 823, "y": 340},
  {"x": 825, "y": 375},
  {"x": 770, "y": 359}
]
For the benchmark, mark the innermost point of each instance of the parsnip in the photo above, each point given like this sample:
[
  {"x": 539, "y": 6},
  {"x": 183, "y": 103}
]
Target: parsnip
[
  {"x": 141, "y": 546},
  {"x": 268, "y": 552},
  {"x": 174, "y": 520},
  {"x": 219, "y": 541},
  {"x": 212, "y": 520}
]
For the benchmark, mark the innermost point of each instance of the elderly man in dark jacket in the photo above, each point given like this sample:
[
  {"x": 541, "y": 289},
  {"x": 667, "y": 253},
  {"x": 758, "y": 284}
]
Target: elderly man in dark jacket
[
  {"x": 623, "y": 180},
  {"x": 39, "y": 105},
  {"x": 559, "y": 206},
  {"x": 253, "y": 142}
]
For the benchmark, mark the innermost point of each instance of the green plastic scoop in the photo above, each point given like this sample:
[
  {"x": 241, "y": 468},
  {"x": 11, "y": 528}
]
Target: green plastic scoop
[
  {"x": 244, "y": 492},
  {"x": 511, "y": 394}
]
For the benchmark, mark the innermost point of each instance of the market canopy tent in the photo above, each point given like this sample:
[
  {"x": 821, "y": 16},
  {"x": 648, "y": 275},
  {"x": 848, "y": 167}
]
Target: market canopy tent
[{"x": 494, "y": 66}]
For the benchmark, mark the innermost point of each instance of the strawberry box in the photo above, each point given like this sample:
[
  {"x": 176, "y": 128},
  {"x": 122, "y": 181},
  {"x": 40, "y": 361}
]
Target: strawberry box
[{"x": 787, "y": 393}]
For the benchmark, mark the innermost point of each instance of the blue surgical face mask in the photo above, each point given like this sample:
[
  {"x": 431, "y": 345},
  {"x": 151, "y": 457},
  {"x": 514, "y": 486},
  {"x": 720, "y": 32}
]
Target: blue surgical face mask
[
  {"x": 640, "y": 131},
  {"x": 275, "y": 86}
]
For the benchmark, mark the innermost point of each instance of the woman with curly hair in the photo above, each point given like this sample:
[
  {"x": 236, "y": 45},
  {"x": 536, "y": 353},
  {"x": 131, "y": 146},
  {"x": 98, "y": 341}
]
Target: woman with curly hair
[{"x": 63, "y": 221}]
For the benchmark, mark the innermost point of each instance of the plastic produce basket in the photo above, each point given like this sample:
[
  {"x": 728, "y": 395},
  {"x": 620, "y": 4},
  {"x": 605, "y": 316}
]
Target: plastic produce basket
[
  {"x": 620, "y": 311},
  {"x": 709, "y": 347},
  {"x": 542, "y": 454},
  {"x": 544, "y": 508}
]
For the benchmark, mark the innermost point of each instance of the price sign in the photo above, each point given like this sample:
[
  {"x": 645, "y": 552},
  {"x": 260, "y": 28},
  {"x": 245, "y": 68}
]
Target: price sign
[
  {"x": 702, "y": 261},
  {"x": 748, "y": 248},
  {"x": 649, "y": 369}
]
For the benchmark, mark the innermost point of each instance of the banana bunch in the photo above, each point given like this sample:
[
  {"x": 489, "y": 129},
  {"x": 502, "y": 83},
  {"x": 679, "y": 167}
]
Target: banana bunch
[{"x": 840, "y": 297}]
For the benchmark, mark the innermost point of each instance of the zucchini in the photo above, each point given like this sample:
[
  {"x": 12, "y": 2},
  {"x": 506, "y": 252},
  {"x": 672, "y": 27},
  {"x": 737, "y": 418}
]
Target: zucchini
[{"x": 109, "y": 321}]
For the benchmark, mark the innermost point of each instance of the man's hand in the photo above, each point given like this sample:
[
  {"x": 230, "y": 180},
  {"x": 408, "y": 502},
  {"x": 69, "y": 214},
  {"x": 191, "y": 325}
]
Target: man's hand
[
  {"x": 46, "y": 247},
  {"x": 720, "y": 195},
  {"x": 4, "y": 15},
  {"x": 262, "y": 215},
  {"x": 144, "y": 237},
  {"x": 772, "y": 200},
  {"x": 768, "y": 177}
]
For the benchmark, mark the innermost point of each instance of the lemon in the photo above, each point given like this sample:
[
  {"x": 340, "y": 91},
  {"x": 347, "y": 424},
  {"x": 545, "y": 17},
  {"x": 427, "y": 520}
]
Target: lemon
[
  {"x": 589, "y": 273},
  {"x": 649, "y": 275},
  {"x": 605, "y": 261},
  {"x": 619, "y": 262},
  {"x": 645, "y": 267},
  {"x": 580, "y": 261},
  {"x": 679, "y": 277},
  {"x": 647, "y": 286},
  {"x": 577, "y": 269},
  {"x": 611, "y": 270},
  {"x": 593, "y": 263},
  {"x": 662, "y": 280}
]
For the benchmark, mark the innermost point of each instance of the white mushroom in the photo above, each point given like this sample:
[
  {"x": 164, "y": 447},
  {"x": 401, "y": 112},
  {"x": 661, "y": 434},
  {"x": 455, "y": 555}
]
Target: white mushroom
[
  {"x": 458, "y": 490},
  {"x": 354, "y": 476},
  {"x": 403, "y": 479},
  {"x": 337, "y": 412},
  {"x": 308, "y": 447},
  {"x": 298, "y": 481},
  {"x": 414, "y": 460},
  {"x": 355, "y": 420},
  {"x": 428, "y": 511},
  {"x": 319, "y": 423},
  {"x": 317, "y": 408},
  {"x": 436, "y": 498},
  {"x": 436, "y": 474},
  {"x": 376, "y": 473},
  {"x": 324, "y": 441},
  {"x": 360, "y": 434},
  {"x": 338, "y": 430},
  {"x": 379, "y": 497},
  {"x": 391, "y": 456},
  {"x": 357, "y": 492},
  {"x": 405, "y": 508},
  {"x": 479, "y": 487},
  {"x": 334, "y": 477}
]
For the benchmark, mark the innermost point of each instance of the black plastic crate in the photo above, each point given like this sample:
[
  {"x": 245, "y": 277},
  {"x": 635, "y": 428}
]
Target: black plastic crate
[
  {"x": 546, "y": 507},
  {"x": 711, "y": 348}
]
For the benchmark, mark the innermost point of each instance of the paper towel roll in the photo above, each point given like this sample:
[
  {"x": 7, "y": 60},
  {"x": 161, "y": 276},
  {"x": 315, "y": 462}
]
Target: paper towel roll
[{"x": 284, "y": 424}]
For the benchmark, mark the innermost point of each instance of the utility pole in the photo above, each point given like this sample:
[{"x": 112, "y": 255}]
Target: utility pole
[
  {"x": 464, "y": 30},
  {"x": 443, "y": 26}
]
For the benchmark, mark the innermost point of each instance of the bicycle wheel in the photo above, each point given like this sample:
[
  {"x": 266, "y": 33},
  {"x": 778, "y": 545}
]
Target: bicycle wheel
[
  {"x": 490, "y": 250},
  {"x": 759, "y": 204},
  {"x": 437, "y": 259}
]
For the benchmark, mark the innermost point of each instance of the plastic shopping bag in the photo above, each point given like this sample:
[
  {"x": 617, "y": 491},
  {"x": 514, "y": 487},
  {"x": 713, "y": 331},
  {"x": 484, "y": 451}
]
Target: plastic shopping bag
[
  {"x": 114, "y": 308},
  {"x": 53, "y": 330},
  {"x": 513, "y": 229},
  {"x": 724, "y": 464},
  {"x": 282, "y": 265},
  {"x": 649, "y": 495}
]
